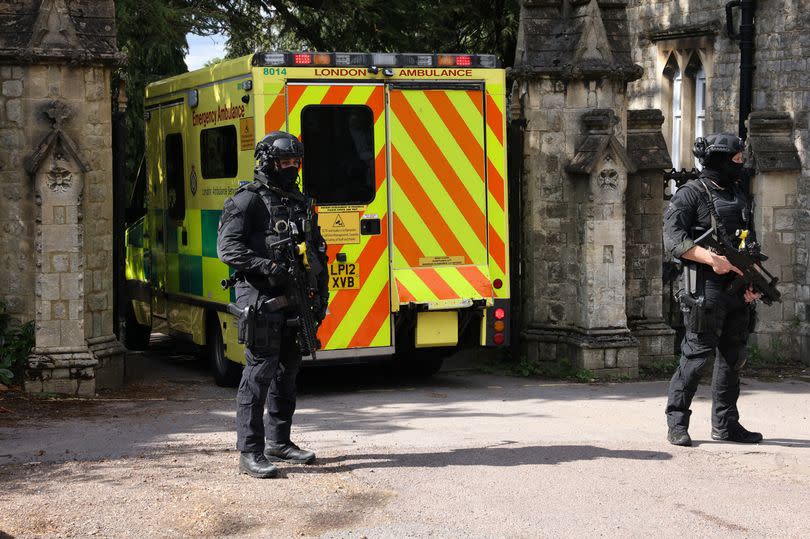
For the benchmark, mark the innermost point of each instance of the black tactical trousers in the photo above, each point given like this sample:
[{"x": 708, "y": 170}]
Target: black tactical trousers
[
  {"x": 722, "y": 333},
  {"x": 267, "y": 379}
]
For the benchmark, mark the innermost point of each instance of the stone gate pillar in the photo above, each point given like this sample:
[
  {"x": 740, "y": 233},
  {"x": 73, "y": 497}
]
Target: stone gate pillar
[
  {"x": 56, "y": 59},
  {"x": 571, "y": 70},
  {"x": 645, "y": 208},
  {"x": 781, "y": 226}
]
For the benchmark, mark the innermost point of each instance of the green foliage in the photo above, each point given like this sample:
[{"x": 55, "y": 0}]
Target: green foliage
[
  {"x": 16, "y": 342},
  {"x": 152, "y": 33},
  {"x": 660, "y": 369},
  {"x": 566, "y": 370},
  {"x": 483, "y": 26},
  {"x": 767, "y": 358},
  {"x": 526, "y": 368}
]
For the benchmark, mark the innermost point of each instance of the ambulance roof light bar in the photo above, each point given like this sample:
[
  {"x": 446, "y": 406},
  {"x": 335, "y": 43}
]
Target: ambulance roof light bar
[{"x": 378, "y": 59}]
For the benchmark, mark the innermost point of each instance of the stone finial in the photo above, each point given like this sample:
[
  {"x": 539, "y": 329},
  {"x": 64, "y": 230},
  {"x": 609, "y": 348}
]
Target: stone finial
[
  {"x": 574, "y": 40},
  {"x": 646, "y": 146},
  {"x": 599, "y": 142},
  {"x": 599, "y": 121},
  {"x": 770, "y": 142}
]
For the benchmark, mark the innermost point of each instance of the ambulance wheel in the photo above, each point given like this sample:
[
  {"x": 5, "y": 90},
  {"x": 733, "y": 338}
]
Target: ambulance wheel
[
  {"x": 134, "y": 336},
  {"x": 427, "y": 367},
  {"x": 226, "y": 372}
]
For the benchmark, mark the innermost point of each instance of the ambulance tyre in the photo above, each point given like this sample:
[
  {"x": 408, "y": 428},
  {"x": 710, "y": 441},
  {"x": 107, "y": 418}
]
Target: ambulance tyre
[
  {"x": 134, "y": 336},
  {"x": 226, "y": 372},
  {"x": 428, "y": 366}
]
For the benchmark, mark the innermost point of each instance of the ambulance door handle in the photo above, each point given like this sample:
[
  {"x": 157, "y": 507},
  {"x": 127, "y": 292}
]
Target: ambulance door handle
[
  {"x": 341, "y": 257},
  {"x": 184, "y": 237}
]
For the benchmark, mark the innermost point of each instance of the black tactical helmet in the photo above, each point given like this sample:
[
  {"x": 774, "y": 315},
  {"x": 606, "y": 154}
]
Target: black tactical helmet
[
  {"x": 718, "y": 143},
  {"x": 277, "y": 145}
]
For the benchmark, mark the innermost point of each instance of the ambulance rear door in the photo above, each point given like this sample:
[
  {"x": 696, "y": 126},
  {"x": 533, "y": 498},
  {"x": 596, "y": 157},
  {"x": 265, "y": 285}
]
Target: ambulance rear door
[
  {"x": 343, "y": 128},
  {"x": 439, "y": 194}
]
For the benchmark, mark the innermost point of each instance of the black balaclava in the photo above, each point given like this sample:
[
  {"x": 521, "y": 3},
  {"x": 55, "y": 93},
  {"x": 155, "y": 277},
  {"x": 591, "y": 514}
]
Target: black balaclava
[
  {"x": 282, "y": 178},
  {"x": 721, "y": 169}
]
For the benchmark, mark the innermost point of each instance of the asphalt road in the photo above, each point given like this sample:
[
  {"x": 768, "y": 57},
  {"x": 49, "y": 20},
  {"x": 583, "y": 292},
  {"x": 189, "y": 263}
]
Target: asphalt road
[{"x": 463, "y": 454}]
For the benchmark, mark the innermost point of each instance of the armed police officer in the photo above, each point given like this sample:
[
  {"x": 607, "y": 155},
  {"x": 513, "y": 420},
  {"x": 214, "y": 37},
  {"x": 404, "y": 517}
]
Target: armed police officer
[
  {"x": 715, "y": 319},
  {"x": 266, "y": 230}
]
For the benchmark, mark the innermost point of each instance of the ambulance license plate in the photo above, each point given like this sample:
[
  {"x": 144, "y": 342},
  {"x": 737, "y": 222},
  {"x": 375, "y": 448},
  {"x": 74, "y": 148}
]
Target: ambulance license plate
[{"x": 344, "y": 276}]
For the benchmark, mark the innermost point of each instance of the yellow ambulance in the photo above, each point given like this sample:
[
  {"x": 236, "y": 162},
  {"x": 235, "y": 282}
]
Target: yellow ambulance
[{"x": 405, "y": 155}]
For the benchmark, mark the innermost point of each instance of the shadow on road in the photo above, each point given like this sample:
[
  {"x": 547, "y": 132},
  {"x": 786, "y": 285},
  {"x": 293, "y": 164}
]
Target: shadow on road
[{"x": 498, "y": 456}]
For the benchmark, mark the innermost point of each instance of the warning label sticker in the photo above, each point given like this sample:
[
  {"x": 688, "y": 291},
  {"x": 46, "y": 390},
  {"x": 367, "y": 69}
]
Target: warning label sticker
[
  {"x": 246, "y": 137},
  {"x": 340, "y": 228},
  {"x": 341, "y": 209},
  {"x": 441, "y": 261}
]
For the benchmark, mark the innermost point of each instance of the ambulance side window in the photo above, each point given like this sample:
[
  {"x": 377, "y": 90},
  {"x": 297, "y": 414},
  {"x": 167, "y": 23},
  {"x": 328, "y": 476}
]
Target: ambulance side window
[
  {"x": 338, "y": 153},
  {"x": 218, "y": 152},
  {"x": 175, "y": 190}
]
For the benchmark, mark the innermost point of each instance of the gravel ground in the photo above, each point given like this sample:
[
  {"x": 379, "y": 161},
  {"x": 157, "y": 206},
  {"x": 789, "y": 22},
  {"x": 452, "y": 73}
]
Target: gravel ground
[{"x": 463, "y": 454}]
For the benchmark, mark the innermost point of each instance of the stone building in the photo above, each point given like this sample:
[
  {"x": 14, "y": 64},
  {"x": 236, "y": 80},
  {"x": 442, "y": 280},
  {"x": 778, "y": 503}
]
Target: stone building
[
  {"x": 613, "y": 93},
  {"x": 56, "y": 58},
  {"x": 691, "y": 58}
]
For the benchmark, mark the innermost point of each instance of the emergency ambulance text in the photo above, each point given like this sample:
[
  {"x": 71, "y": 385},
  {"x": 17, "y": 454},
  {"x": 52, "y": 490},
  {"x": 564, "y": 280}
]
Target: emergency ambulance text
[{"x": 221, "y": 114}]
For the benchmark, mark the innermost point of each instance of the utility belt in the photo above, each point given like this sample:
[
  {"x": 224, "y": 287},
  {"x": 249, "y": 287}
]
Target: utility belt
[{"x": 261, "y": 323}]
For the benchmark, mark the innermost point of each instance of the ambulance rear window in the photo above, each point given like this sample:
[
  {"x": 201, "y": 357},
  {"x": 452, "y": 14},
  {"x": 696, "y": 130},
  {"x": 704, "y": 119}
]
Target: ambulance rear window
[
  {"x": 338, "y": 153},
  {"x": 218, "y": 152}
]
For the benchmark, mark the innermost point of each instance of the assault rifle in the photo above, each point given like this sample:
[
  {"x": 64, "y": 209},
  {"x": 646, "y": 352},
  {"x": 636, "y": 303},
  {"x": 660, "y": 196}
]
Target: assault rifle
[
  {"x": 294, "y": 252},
  {"x": 747, "y": 261}
]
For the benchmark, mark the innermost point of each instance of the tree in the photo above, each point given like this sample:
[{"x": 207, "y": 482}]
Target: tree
[
  {"x": 153, "y": 35},
  {"x": 482, "y": 26}
]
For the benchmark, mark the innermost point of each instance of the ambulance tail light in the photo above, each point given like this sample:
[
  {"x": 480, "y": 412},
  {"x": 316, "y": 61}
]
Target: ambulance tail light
[
  {"x": 487, "y": 60},
  {"x": 445, "y": 60},
  {"x": 351, "y": 59},
  {"x": 497, "y": 324},
  {"x": 302, "y": 59},
  {"x": 274, "y": 59},
  {"x": 383, "y": 59},
  {"x": 322, "y": 59},
  {"x": 416, "y": 60}
]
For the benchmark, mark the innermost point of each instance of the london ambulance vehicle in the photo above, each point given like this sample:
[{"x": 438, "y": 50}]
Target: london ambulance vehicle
[{"x": 405, "y": 156}]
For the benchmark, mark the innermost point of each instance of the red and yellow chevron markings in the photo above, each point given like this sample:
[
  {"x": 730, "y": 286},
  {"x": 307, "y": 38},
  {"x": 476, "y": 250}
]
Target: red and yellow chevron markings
[
  {"x": 442, "y": 284},
  {"x": 437, "y": 181},
  {"x": 497, "y": 212},
  {"x": 357, "y": 318}
]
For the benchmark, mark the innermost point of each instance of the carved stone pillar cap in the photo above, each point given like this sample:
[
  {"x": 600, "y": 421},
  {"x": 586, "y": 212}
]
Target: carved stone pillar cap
[
  {"x": 645, "y": 120},
  {"x": 599, "y": 121},
  {"x": 769, "y": 121}
]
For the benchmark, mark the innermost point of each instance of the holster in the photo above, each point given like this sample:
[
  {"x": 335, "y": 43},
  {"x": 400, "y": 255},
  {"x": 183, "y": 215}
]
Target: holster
[{"x": 260, "y": 325}]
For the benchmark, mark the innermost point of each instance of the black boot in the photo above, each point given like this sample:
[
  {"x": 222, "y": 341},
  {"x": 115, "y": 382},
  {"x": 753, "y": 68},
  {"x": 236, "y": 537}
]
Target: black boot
[
  {"x": 255, "y": 465},
  {"x": 679, "y": 436},
  {"x": 288, "y": 452},
  {"x": 736, "y": 433}
]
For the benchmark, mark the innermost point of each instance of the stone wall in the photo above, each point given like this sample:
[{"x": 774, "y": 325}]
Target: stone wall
[
  {"x": 781, "y": 83},
  {"x": 16, "y": 198},
  {"x": 56, "y": 60},
  {"x": 572, "y": 68}
]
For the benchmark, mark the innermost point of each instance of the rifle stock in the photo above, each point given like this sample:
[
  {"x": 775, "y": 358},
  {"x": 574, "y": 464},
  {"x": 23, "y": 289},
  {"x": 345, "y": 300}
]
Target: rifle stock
[{"x": 754, "y": 274}]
